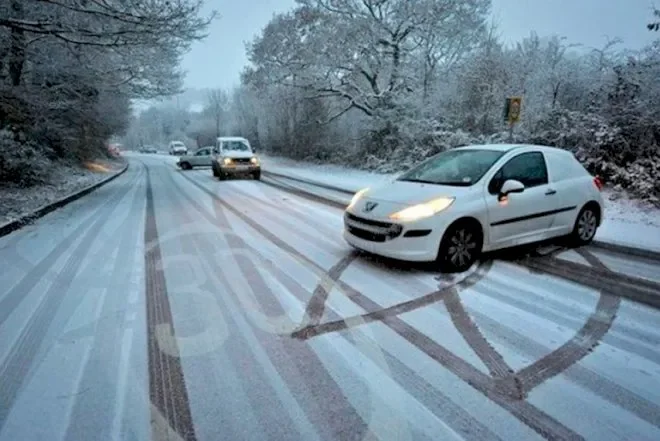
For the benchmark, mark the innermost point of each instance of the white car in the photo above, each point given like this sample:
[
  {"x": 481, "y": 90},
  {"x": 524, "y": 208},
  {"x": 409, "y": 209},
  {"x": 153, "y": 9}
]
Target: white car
[
  {"x": 178, "y": 148},
  {"x": 461, "y": 202},
  {"x": 234, "y": 155}
]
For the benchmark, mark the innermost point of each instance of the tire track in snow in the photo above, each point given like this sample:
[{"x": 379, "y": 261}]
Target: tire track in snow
[
  {"x": 311, "y": 330},
  {"x": 235, "y": 241},
  {"x": 300, "y": 367},
  {"x": 458, "y": 418},
  {"x": 608, "y": 306},
  {"x": 313, "y": 238},
  {"x": 581, "y": 344},
  {"x": 498, "y": 392},
  {"x": 472, "y": 335},
  {"x": 301, "y": 215},
  {"x": 167, "y": 388},
  {"x": 105, "y": 352},
  {"x": 18, "y": 363},
  {"x": 580, "y": 375},
  {"x": 12, "y": 299}
]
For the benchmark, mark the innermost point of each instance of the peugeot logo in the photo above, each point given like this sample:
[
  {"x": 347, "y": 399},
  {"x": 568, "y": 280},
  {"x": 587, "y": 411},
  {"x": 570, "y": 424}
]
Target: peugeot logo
[{"x": 369, "y": 206}]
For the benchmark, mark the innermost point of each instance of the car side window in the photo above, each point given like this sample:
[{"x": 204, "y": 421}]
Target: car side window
[
  {"x": 528, "y": 168},
  {"x": 203, "y": 152}
]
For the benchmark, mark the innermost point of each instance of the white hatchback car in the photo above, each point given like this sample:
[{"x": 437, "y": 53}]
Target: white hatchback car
[{"x": 461, "y": 202}]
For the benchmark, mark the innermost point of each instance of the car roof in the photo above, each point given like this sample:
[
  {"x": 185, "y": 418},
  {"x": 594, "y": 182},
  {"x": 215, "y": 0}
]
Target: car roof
[
  {"x": 509, "y": 147},
  {"x": 231, "y": 138}
]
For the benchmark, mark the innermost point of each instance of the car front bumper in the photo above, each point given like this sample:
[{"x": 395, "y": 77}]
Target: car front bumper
[
  {"x": 239, "y": 168},
  {"x": 411, "y": 241}
]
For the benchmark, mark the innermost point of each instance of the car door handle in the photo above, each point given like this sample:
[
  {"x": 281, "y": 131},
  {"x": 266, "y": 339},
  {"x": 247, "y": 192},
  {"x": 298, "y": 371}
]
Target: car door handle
[{"x": 550, "y": 192}]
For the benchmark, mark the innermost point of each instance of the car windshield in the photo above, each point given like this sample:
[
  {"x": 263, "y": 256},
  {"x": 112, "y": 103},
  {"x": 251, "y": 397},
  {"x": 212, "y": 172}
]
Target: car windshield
[
  {"x": 236, "y": 146},
  {"x": 460, "y": 167}
]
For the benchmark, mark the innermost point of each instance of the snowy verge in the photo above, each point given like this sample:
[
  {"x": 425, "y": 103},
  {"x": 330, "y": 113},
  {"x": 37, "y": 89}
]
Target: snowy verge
[
  {"x": 627, "y": 222},
  {"x": 19, "y": 205}
]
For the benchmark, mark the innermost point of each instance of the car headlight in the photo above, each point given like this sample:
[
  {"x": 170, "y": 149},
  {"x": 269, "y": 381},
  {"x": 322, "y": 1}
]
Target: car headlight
[
  {"x": 357, "y": 197},
  {"x": 421, "y": 211},
  {"x": 227, "y": 161},
  {"x": 254, "y": 160}
]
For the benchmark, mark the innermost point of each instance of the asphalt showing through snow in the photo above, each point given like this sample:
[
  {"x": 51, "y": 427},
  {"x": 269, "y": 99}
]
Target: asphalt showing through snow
[{"x": 170, "y": 306}]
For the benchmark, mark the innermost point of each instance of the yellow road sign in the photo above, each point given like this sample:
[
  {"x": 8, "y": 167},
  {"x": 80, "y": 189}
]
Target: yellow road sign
[{"x": 512, "y": 108}]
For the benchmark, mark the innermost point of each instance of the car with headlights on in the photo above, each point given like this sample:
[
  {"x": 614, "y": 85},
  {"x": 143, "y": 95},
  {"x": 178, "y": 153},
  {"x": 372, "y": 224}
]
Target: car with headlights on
[
  {"x": 234, "y": 156},
  {"x": 468, "y": 200}
]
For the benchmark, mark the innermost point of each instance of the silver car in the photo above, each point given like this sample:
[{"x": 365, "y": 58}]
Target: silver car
[
  {"x": 233, "y": 155},
  {"x": 200, "y": 158}
]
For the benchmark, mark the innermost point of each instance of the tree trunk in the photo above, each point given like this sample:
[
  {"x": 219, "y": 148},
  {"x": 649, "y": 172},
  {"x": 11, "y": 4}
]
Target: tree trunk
[
  {"x": 17, "y": 49},
  {"x": 555, "y": 93}
]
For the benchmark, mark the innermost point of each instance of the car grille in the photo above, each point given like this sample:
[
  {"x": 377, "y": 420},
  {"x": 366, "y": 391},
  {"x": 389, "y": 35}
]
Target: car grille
[
  {"x": 240, "y": 161},
  {"x": 367, "y": 229}
]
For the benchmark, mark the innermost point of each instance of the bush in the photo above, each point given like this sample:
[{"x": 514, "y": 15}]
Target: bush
[{"x": 22, "y": 162}]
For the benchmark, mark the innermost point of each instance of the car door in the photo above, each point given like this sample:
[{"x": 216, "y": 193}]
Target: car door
[
  {"x": 201, "y": 157},
  {"x": 208, "y": 157},
  {"x": 521, "y": 217}
]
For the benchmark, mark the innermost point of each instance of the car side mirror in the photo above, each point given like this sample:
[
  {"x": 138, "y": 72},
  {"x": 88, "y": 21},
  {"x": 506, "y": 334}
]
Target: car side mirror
[{"x": 510, "y": 186}]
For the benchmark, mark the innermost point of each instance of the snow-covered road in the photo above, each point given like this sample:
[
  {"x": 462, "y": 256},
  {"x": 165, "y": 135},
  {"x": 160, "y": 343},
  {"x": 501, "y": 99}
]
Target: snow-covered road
[{"x": 169, "y": 305}]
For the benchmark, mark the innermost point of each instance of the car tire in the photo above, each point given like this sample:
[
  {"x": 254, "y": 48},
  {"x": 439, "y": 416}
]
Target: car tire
[
  {"x": 186, "y": 166},
  {"x": 586, "y": 225},
  {"x": 222, "y": 176},
  {"x": 256, "y": 175},
  {"x": 215, "y": 171},
  {"x": 460, "y": 247}
]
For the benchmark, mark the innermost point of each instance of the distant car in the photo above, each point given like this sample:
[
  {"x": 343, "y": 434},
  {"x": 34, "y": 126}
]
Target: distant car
[
  {"x": 461, "y": 202},
  {"x": 148, "y": 149},
  {"x": 114, "y": 150},
  {"x": 200, "y": 158},
  {"x": 178, "y": 148},
  {"x": 234, "y": 156}
]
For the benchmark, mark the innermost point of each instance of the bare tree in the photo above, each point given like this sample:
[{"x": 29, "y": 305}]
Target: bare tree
[
  {"x": 69, "y": 68},
  {"x": 655, "y": 25},
  {"x": 142, "y": 38},
  {"x": 217, "y": 107}
]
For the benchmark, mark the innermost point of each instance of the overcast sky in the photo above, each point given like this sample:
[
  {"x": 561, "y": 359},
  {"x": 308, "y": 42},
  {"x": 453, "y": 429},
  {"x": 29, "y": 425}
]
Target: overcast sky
[{"x": 218, "y": 61}]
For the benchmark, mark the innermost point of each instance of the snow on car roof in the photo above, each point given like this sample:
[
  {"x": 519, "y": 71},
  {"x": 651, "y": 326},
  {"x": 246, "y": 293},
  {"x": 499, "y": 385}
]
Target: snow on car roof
[
  {"x": 509, "y": 147},
  {"x": 231, "y": 138}
]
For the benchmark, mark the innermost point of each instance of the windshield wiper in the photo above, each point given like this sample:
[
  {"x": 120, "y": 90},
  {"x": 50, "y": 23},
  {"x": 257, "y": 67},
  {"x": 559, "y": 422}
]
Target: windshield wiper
[
  {"x": 454, "y": 183},
  {"x": 449, "y": 183},
  {"x": 421, "y": 181}
]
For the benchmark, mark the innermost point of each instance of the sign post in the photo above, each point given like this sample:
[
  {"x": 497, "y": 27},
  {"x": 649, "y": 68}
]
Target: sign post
[{"x": 512, "y": 106}]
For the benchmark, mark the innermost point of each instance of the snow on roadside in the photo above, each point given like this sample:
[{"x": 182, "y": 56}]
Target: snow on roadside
[
  {"x": 630, "y": 222},
  {"x": 16, "y": 201},
  {"x": 627, "y": 222}
]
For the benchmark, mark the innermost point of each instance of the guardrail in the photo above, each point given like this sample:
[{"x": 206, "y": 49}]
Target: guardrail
[{"x": 622, "y": 249}]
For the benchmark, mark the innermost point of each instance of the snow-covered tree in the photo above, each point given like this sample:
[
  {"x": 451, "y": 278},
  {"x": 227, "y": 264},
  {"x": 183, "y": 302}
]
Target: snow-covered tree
[
  {"x": 217, "y": 107},
  {"x": 69, "y": 69},
  {"x": 383, "y": 83},
  {"x": 362, "y": 58}
]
